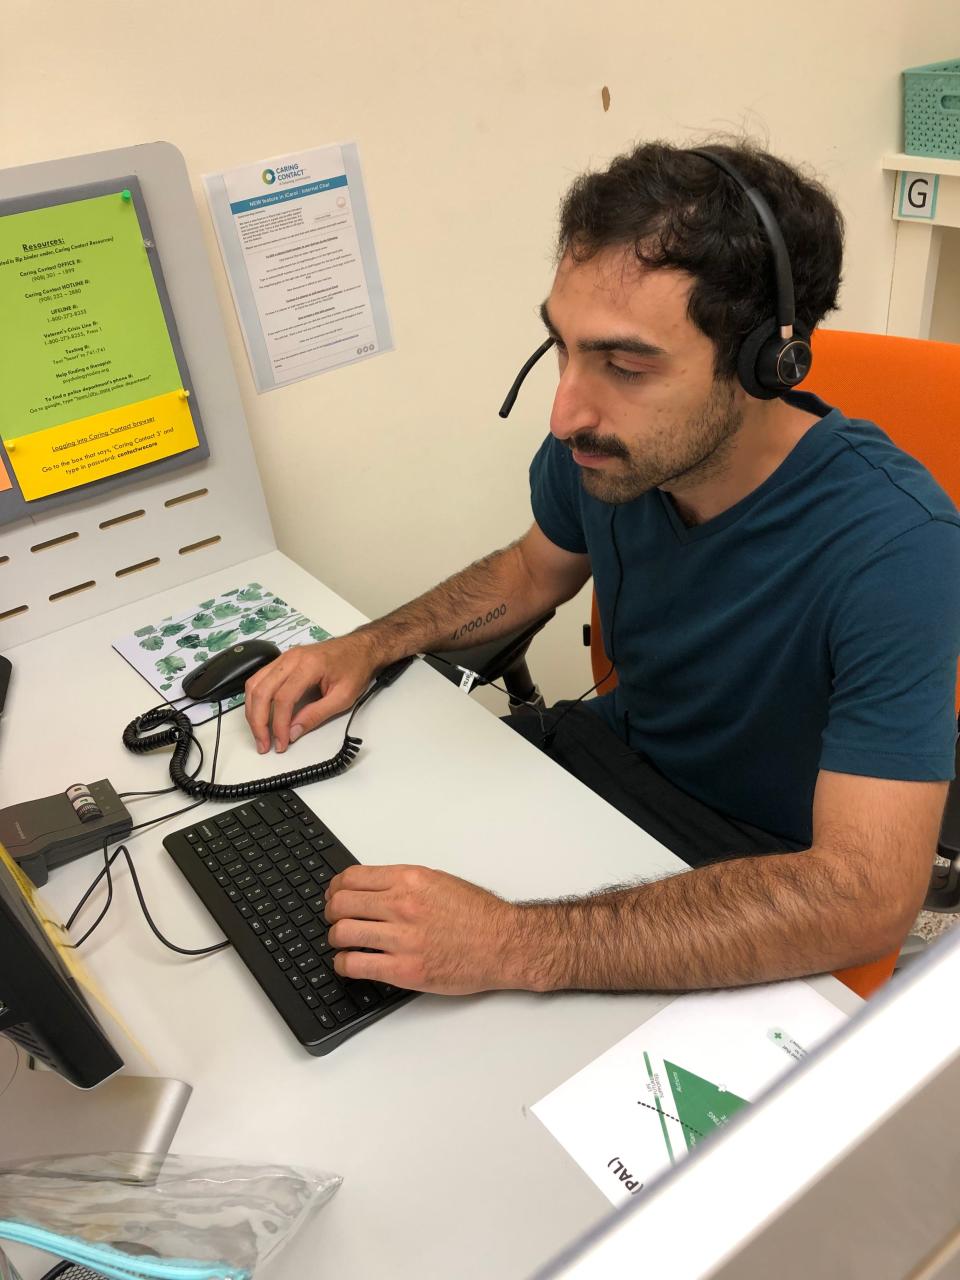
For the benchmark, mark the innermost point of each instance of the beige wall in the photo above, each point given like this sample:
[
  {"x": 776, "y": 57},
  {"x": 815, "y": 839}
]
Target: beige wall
[{"x": 471, "y": 119}]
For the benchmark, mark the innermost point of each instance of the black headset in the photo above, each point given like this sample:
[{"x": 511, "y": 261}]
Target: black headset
[{"x": 774, "y": 356}]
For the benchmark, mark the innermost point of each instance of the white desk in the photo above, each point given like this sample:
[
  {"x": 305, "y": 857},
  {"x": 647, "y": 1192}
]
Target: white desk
[{"x": 423, "y": 1113}]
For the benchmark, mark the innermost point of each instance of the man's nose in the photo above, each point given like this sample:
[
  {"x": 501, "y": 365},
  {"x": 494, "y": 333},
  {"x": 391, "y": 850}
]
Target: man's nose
[{"x": 574, "y": 408}]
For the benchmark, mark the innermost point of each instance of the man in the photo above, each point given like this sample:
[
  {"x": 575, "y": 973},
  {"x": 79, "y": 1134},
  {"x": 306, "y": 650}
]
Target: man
[{"x": 780, "y": 593}]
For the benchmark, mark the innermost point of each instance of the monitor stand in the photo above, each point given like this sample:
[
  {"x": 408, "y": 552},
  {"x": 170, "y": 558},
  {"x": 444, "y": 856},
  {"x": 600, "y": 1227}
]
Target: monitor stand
[{"x": 42, "y": 1115}]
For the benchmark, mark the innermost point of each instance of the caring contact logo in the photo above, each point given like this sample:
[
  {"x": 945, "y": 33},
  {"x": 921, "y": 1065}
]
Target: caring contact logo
[{"x": 269, "y": 177}]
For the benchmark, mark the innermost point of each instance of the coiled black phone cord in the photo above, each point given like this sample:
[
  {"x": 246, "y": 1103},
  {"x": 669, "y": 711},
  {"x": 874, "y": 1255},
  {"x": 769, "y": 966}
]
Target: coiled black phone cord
[{"x": 178, "y": 735}]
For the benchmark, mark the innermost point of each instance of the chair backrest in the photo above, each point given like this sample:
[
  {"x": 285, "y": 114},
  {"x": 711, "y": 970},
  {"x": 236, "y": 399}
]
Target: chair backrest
[{"x": 911, "y": 389}]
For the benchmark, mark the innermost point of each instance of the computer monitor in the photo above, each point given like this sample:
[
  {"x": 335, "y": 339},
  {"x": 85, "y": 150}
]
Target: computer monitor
[
  {"x": 54, "y": 1049},
  {"x": 42, "y": 1005}
]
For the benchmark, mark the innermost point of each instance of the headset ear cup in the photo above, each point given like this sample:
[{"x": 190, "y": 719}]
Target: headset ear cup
[{"x": 749, "y": 361}]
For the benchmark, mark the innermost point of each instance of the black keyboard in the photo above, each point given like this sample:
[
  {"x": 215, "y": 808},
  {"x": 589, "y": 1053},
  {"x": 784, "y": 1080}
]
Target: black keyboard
[{"x": 261, "y": 869}]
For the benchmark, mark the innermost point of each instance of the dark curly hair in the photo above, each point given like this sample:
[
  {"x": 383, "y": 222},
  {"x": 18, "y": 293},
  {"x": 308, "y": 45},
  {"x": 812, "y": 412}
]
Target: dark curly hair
[{"x": 678, "y": 210}]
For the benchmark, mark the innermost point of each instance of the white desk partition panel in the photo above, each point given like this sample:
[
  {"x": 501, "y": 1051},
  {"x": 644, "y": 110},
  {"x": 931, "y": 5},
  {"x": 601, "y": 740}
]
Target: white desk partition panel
[{"x": 162, "y": 528}]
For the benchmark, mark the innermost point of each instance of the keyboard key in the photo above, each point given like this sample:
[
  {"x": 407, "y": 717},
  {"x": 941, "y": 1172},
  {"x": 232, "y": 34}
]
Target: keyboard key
[
  {"x": 235, "y": 868},
  {"x": 290, "y": 903},
  {"x": 305, "y": 963},
  {"x": 293, "y": 839},
  {"x": 296, "y": 979},
  {"x": 312, "y": 930},
  {"x": 265, "y": 906},
  {"x": 259, "y": 831},
  {"x": 282, "y": 960},
  {"x": 364, "y": 995},
  {"x": 310, "y": 890},
  {"x": 296, "y": 878},
  {"x": 243, "y": 843},
  {"x": 268, "y": 842},
  {"x": 343, "y": 1010},
  {"x": 212, "y": 864},
  {"x": 246, "y": 880},
  {"x": 208, "y": 832},
  {"x": 192, "y": 836},
  {"x": 270, "y": 877},
  {"x": 308, "y": 997},
  {"x": 245, "y": 909},
  {"x": 282, "y": 829},
  {"x": 224, "y": 820},
  {"x": 234, "y": 894},
  {"x": 257, "y": 926},
  {"x": 288, "y": 865},
  {"x": 323, "y": 874},
  {"x": 286, "y": 933},
  {"x": 277, "y": 920},
  {"x": 247, "y": 815},
  {"x": 296, "y": 948},
  {"x": 218, "y": 845},
  {"x": 332, "y": 992},
  {"x": 325, "y": 1017},
  {"x": 264, "y": 810},
  {"x": 303, "y": 916},
  {"x": 222, "y": 879},
  {"x": 233, "y": 832},
  {"x": 260, "y": 866},
  {"x": 254, "y": 893},
  {"x": 270, "y": 942}
]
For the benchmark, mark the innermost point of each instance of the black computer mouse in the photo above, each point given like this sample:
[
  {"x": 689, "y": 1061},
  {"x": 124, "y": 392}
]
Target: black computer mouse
[{"x": 226, "y": 673}]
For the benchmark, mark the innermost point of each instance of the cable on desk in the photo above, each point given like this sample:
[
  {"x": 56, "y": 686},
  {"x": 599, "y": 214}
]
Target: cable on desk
[{"x": 108, "y": 861}]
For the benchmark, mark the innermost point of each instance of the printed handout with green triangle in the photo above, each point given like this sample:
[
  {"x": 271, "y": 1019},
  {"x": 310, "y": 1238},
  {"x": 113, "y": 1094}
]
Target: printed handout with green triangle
[{"x": 670, "y": 1085}]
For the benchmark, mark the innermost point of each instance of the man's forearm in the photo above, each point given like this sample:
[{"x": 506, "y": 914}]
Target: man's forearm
[
  {"x": 491, "y": 597},
  {"x": 732, "y": 923}
]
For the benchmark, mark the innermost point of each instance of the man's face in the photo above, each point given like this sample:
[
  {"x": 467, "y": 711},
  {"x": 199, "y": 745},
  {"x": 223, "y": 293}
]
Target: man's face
[{"x": 637, "y": 402}]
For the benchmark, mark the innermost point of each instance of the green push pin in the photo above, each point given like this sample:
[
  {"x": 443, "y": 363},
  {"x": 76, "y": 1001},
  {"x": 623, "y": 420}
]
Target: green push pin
[{"x": 125, "y": 195}]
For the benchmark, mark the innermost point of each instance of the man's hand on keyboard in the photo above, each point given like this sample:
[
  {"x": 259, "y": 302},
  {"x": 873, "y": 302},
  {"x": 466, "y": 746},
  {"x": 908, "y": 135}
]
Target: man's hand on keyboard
[
  {"x": 337, "y": 670},
  {"x": 433, "y": 931}
]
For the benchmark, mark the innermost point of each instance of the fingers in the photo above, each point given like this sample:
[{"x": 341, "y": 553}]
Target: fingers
[
  {"x": 335, "y": 669},
  {"x": 259, "y": 693},
  {"x": 363, "y": 880},
  {"x": 347, "y": 904},
  {"x": 319, "y": 711}
]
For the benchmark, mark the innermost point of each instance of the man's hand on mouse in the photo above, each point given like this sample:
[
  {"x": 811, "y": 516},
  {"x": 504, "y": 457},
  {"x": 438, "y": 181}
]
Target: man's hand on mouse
[
  {"x": 430, "y": 931},
  {"x": 338, "y": 669}
]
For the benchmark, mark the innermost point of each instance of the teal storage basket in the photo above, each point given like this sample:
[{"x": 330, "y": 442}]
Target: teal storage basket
[{"x": 931, "y": 110}]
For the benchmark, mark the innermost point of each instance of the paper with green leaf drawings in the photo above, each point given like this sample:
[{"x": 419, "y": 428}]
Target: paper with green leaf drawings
[{"x": 164, "y": 652}]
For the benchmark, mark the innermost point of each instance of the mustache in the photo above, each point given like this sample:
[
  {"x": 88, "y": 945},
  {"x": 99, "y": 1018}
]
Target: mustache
[{"x": 606, "y": 446}]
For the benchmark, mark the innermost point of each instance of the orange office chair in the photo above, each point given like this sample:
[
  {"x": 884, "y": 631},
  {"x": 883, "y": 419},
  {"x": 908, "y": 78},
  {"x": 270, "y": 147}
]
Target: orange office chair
[{"x": 911, "y": 389}]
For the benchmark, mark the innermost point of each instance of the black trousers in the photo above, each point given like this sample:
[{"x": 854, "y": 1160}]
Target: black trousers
[{"x": 582, "y": 742}]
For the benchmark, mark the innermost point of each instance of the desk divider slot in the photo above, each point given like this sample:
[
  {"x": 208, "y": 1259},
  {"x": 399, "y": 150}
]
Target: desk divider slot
[
  {"x": 72, "y": 591},
  {"x": 186, "y": 497},
  {"x": 130, "y": 515},
  {"x": 197, "y": 546},
  {"x": 10, "y": 613},
  {"x": 54, "y": 542},
  {"x": 135, "y": 568}
]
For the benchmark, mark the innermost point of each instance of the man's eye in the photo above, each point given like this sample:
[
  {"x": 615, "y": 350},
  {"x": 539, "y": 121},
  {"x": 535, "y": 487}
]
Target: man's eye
[{"x": 628, "y": 375}]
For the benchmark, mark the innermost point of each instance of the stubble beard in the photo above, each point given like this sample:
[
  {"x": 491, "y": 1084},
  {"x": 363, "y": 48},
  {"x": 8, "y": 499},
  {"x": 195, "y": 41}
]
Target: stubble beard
[{"x": 684, "y": 456}]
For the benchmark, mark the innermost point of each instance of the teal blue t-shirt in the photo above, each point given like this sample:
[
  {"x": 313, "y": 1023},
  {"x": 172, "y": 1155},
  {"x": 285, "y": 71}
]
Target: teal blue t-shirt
[{"x": 813, "y": 625}]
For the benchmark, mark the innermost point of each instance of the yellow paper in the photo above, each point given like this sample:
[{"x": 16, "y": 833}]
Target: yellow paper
[{"x": 105, "y": 444}]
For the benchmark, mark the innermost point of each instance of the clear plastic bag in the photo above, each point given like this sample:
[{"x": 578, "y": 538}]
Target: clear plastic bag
[
  {"x": 163, "y": 1217},
  {"x": 7, "y": 1270}
]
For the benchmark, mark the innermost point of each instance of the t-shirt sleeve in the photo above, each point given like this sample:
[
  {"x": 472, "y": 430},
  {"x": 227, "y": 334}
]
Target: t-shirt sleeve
[
  {"x": 894, "y": 638},
  {"x": 555, "y": 496}
]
